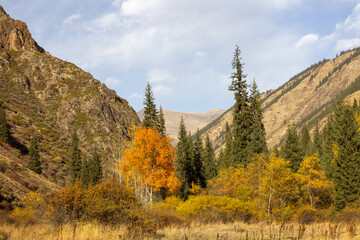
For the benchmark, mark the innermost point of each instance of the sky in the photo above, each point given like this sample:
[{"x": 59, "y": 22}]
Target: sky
[{"x": 184, "y": 48}]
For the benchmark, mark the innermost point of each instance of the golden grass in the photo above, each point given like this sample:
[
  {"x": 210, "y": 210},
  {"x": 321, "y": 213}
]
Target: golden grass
[{"x": 238, "y": 231}]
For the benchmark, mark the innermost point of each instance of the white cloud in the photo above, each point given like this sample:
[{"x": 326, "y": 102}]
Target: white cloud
[
  {"x": 136, "y": 95},
  {"x": 307, "y": 40},
  {"x": 112, "y": 82},
  {"x": 346, "y": 44},
  {"x": 162, "y": 90},
  {"x": 200, "y": 54},
  {"x": 158, "y": 76},
  {"x": 69, "y": 20}
]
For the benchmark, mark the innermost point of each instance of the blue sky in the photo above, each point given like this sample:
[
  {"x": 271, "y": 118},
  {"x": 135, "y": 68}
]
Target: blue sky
[{"x": 184, "y": 48}]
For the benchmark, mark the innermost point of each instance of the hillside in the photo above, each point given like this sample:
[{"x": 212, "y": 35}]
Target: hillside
[
  {"x": 306, "y": 98},
  {"x": 50, "y": 98},
  {"x": 193, "y": 121}
]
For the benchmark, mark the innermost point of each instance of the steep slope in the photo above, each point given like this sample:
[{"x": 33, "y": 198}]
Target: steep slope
[
  {"x": 193, "y": 121},
  {"x": 50, "y": 98},
  {"x": 305, "y": 98}
]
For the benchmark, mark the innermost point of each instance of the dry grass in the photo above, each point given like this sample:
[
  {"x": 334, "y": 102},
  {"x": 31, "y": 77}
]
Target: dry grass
[{"x": 238, "y": 231}]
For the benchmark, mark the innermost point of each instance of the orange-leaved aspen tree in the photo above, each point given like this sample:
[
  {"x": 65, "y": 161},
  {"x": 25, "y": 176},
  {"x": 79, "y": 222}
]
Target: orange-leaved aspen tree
[{"x": 149, "y": 162}]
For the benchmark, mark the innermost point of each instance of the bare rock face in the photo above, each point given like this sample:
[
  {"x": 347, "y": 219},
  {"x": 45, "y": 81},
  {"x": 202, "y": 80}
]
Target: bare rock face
[
  {"x": 50, "y": 98},
  {"x": 15, "y": 35}
]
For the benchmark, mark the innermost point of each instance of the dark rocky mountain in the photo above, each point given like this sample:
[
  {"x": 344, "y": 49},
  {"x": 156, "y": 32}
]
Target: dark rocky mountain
[{"x": 50, "y": 98}]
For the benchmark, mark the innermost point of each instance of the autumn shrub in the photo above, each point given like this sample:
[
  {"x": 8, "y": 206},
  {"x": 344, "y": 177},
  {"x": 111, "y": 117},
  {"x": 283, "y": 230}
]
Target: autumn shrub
[
  {"x": 32, "y": 210},
  {"x": 68, "y": 204},
  {"x": 307, "y": 215},
  {"x": 350, "y": 212},
  {"x": 208, "y": 208},
  {"x": 112, "y": 203},
  {"x": 165, "y": 215}
]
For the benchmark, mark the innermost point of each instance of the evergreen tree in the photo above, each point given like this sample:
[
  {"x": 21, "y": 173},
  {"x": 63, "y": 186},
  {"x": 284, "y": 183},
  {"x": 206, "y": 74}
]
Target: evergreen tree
[
  {"x": 161, "y": 123},
  {"x": 346, "y": 162},
  {"x": 150, "y": 114},
  {"x": 291, "y": 149},
  {"x": 75, "y": 159},
  {"x": 242, "y": 119},
  {"x": 198, "y": 153},
  {"x": 226, "y": 156},
  {"x": 86, "y": 172},
  {"x": 95, "y": 168},
  {"x": 209, "y": 164},
  {"x": 305, "y": 141},
  {"x": 184, "y": 163},
  {"x": 317, "y": 141},
  {"x": 4, "y": 127},
  {"x": 257, "y": 136},
  {"x": 34, "y": 163}
]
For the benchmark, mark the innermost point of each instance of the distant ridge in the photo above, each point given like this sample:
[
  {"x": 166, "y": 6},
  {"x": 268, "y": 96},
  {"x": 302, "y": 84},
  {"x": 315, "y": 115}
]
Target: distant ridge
[{"x": 193, "y": 121}]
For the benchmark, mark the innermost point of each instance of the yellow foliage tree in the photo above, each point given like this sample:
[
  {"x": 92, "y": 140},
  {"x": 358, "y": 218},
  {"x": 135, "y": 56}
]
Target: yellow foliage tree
[
  {"x": 278, "y": 185},
  {"x": 149, "y": 162},
  {"x": 313, "y": 180},
  {"x": 231, "y": 182}
]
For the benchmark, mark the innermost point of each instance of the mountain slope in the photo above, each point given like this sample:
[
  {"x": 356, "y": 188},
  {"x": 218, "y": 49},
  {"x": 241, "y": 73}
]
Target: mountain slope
[
  {"x": 193, "y": 121},
  {"x": 306, "y": 98},
  {"x": 50, "y": 98}
]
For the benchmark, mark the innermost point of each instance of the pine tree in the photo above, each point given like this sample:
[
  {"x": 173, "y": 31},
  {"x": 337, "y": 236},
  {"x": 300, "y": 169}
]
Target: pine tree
[
  {"x": 257, "y": 138},
  {"x": 291, "y": 149},
  {"x": 226, "y": 156},
  {"x": 161, "y": 123},
  {"x": 150, "y": 114},
  {"x": 242, "y": 119},
  {"x": 317, "y": 141},
  {"x": 85, "y": 172},
  {"x": 305, "y": 141},
  {"x": 346, "y": 149},
  {"x": 34, "y": 163},
  {"x": 75, "y": 159},
  {"x": 209, "y": 164},
  {"x": 198, "y": 156},
  {"x": 4, "y": 127},
  {"x": 184, "y": 163},
  {"x": 95, "y": 168}
]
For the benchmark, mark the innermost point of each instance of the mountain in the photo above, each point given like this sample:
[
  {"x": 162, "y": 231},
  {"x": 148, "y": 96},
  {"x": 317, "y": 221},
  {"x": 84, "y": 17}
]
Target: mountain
[
  {"x": 307, "y": 98},
  {"x": 193, "y": 121},
  {"x": 50, "y": 98}
]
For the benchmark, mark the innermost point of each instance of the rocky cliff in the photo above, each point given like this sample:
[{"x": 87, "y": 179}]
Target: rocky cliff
[{"x": 50, "y": 98}]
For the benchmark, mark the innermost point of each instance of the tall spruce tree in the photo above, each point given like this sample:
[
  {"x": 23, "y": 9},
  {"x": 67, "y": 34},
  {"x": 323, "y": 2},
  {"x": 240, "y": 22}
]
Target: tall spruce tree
[
  {"x": 257, "y": 137},
  {"x": 75, "y": 159},
  {"x": 95, "y": 168},
  {"x": 85, "y": 172},
  {"x": 34, "y": 163},
  {"x": 209, "y": 164},
  {"x": 291, "y": 149},
  {"x": 346, "y": 162},
  {"x": 242, "y": 119},
  {"x": 198, "y": 156},
  {"x": 4, "y": 126},
  {"x": 305, "y": 141},
  {"x": 317, "y": 142},
  {"x": 161, "y": 123},
  {"x": 184, "y": 163},
  {"x": 150, "y": 113},
  {"x": 226, "y": 156}
]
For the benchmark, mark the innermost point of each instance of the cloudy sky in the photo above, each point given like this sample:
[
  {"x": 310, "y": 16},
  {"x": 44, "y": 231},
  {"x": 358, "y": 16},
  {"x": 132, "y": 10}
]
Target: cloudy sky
[{"x": 184, "y": 48}]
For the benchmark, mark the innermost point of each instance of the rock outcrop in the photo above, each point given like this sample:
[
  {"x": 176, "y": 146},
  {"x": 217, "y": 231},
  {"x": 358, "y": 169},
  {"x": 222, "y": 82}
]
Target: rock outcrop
[{"x": 50, "y": 98}]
